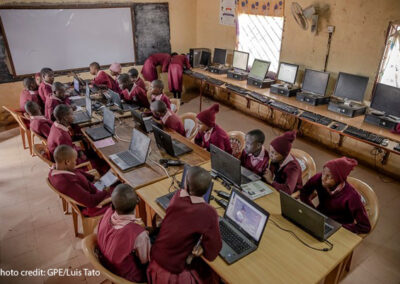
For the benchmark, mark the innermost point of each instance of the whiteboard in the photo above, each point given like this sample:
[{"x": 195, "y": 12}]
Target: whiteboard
[{"x": 67, "y": 38}]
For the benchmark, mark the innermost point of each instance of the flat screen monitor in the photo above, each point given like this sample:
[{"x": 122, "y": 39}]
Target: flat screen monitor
[
  {"x": 315, "y": 81},
  {"x": 387, "y": 99},
  {"x": 351, "y": 87},
  {"x": 205, "y": 58},
  {"x": 259, "y": 69},
  {"x": 240, "y": 60},
  {"x": 219, "y": 56},
  {"x": 287, "y": 72}
]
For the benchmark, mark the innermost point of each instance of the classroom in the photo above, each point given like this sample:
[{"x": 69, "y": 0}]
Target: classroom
[{"x": 199, "y": 141}]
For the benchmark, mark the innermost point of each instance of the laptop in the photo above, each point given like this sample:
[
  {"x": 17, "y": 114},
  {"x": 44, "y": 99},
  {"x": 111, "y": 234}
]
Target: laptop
[
  {"x": 86, "y": 115},
  {"x": 171, "y": 146},
  {"x": 229, "y": 168},
  {"x": 116, "y": 100},
  {"x": 137, "y": 153},
  {"x": 241, "y": 227},
  {"x": 106, "y": 130},
  {"x": 146, "y": 124},
  {"x": 164, "y": 200},
  {"x": 307, "y": 218}
]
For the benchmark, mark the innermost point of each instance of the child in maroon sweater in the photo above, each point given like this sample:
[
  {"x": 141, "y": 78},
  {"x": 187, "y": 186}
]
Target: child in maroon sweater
[
  {"x": 188, "y": 217},
  {"x": 254, "y": 156},
  {"x": 168, "y": 117},
  {"x": 102, "y": 79},
  {"x": 156, "y": 90},
  {"x": 30, "y": 93},
  {"x": 337, "y": 198},
  {"x": 57, "y": 98},
  {"x": 45, "y": 86},
  {"x": 136, "y": 80},
  {"x": 175, "y": 73},
  {"x": 38, "y": 123},
  {"x": 131, "y": 92}
]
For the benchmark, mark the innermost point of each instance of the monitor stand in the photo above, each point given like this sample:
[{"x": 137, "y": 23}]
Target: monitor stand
[
  {"x": 347, "y": 107},
  {"x": 284, "y": 89},
  {"x": 237, "y": 74}
]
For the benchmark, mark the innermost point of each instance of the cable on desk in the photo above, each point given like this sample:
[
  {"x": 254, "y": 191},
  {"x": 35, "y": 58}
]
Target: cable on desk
[
  {"x": 119, "y": 138},
  {"x": 161, "y": 166}
]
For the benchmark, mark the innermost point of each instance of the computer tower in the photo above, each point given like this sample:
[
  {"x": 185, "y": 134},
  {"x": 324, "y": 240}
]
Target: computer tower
[
  {"x": 312, "y": 99},
  {"x": 351, "y": 110},
  {"x": 262, "y": 84},
  {"x": 237, "y": 75},
  {"x": 381, "y": 121},
  {"x": 283, "y": 90},
  {"x": 195, "y": 55}
]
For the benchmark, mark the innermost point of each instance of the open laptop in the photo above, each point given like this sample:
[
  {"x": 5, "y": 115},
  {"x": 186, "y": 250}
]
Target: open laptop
[
  {"x": 229, "y": 168},
  {"x": 171, "y": 146},
  {"x": 116, "y": 100},
  {"x": 137, "y": 153},
  {"x": 307, "y": 218},
  {"x": 241, "y": 227},
  {"x": 86, "y": 115},
  {"x": 146, "y": 124},
  {"x": 164, "y": 200},
  {"x": 106, "y": 130}
]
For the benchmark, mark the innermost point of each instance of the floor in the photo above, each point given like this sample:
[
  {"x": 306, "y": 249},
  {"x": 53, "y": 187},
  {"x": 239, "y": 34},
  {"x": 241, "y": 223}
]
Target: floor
[{"x": 35, "y": 234}]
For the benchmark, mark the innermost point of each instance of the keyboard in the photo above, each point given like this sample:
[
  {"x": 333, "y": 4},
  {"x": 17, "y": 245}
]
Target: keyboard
[
  {"x": 214, "y": 81},
  {"x": 188, "y": 72},
  {"x": 364, "y": 135},
  {"x": 80, "y": 117},
  {"x": 316, "y": 118},
  {"x": 327, "y": 228},
  {"x": 127, "y": 157},
  {"x": 236, "y": 89},
  {"x": 232, "y": 239},
  {"x": 199, "y": 75},
  {"x": 284, "y": 107},
  {"x": 258, "y": 97}
]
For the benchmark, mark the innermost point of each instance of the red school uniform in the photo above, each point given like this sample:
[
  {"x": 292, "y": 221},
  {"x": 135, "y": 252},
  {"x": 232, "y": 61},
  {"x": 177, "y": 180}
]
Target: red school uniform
[
  {"x": 136, "y": 95},
  {"x": 102, "y": 78},
  {"x": 51, "y": 104},
  {"x": 175, "y": 72},
  {"x": 139, "y": 82},
  {"x": 59, "y": 135},
  {"x": 41, "y": 125},
  {"x": 149, "y": 70},
  {"x": 26, "y": 96},
  {"x": 258, "y": 164},
  {"x": 172, "y": 121},
  {"x": 287, "y": 176},
  {"x": 162, "y": 97},
  {"x": 216, "y": 136},
  {"x": 45, "y": 91}
]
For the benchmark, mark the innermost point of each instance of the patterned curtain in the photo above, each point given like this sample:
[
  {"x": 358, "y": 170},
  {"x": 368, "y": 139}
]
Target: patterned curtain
[{"x": 273, "y": 8}]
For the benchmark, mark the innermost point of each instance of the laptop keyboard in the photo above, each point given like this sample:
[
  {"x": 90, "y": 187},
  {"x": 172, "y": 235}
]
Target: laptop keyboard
[
  {"x": 327, "y": 229},
  {"x": 232, "y": 239},
  {"x": 80, "y": 116},
  {"x": 127, "y": 157}
]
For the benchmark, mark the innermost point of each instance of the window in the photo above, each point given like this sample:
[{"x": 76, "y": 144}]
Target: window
[
  {"x": 261, "y": 36},
  {"x": 389, "y": 72}
]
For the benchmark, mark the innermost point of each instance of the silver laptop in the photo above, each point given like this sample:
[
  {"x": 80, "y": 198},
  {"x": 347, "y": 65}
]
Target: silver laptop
[
  {"x": 309, "y": 219},
  {"x": 137, "y": 153},
  {"x": 86, "y": 115},
  {"x": 241, "y": 227}
]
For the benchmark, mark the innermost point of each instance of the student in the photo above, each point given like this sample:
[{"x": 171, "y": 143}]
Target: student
[
  {"x": 38, "y": 79},
  {"x": 131, "y": 92},
  {"x": 122, "y": 240},
  {"x": 210, "y": 132},
  {"x": 337, "y": 198},
  {"x": 168, "y": 117},
  {"x": 156, "y": 90},
  {"x": 175, "y": 73},
  {"x": 102, "y": 79},
  {"x": 58, "y": 97},
  {"x": 38, "y": 123},
  {"x": 45, "y": 90},
  {"x": 115, "y": 70},
  {"x": 134, "y": 76},
  {"x": 76, "y": 183},
  {"x": 29, "y": 93},
  {"x": 149, "y": 70},
  {"x": 254, "y": 156},
  {"x": 285, "y": 172},
  {"x": 188, "y": 217}
]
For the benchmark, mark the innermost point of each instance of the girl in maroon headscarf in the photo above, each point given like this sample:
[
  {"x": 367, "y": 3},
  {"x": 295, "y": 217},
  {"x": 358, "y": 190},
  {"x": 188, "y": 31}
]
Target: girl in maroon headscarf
[
  {"x": 175, "y": 73},
  {"x": 149, "y": 70}
]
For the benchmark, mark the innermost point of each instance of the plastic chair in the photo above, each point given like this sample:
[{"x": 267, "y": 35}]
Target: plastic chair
[
  {"x": 190, "y": 124},
  {"x": 237, "y": 139},
  {"x": 175, "y": 105},
  {"x": 307, "y": 164},
  {"x": 42, "y": 152}
]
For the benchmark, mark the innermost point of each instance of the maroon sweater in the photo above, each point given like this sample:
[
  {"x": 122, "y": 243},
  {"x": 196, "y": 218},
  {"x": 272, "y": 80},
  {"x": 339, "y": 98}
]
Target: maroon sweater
[
  {"x": 172, "y": 121},
  {"x": 102, "y": 78},
  {"x": 260, "y": 167},
  {"x": 136, "y": 95},
  {"x": 218, "y": 138},
  {"x": 344, "y": 206},
  {"x": 139, "y": 82},
  {"x": 181, "y": 228},
  {"x": 41, "y": 125},
  {"x": 51, "y": 103},
  {"x": 287, "y": 178},
  {"x": 44, "y": 92},
  {"x": 27, "y": 96}
]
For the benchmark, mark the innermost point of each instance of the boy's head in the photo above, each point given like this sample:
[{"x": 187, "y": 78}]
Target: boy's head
[
  {"x": 157, "y": 87},
  {"x": 38, "y": 78},
  {"x": 124, "y": 199},
  {"x": 254, "y": 141},
  {"x": 47, "y": 75},
  {"x": 58, "y": 90},
  {"x": 124, "y": 81},
  {"x": 197, "y": 181},
  {"x": 133, "y": 74},
  {"x": 115, "y": 69},
  {"x": 64, "y": 114},
  {"x": 32, "y": 108},
  {"x": 65, "y": 158},
  {"x": 158, "y": 108},
  {"x": 30, "y": 84},
  {"x": 174, "y": 53},
  {"x": 94, "y": 67}
]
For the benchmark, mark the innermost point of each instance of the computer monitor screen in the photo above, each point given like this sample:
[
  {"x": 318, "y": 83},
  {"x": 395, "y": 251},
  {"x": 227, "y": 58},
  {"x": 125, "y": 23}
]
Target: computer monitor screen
[
  {"x": 315, "y": 81},
  {"x": 219, "y": 56},
  {"x": 387, "y": 99},
  {"x": 76, "y": 85},
  {"x": 240, "y": 59},
  {"x": 205, "y": 58},
  {"x": 139, "y": 144},
  {"x": 287, "y": 72},
  {"x": 350, "y": 86},
  {"x": 259, "y": 69},
  {"x": 245, "y": 215},
  {"x": 109, "y": 120}
]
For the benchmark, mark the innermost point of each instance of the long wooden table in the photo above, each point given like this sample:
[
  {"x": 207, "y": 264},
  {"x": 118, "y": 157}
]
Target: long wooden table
[{"x": 280, "y": 258}]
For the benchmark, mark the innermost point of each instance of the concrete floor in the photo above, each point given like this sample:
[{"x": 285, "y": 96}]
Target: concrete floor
[{"x": 34, "y": 232}]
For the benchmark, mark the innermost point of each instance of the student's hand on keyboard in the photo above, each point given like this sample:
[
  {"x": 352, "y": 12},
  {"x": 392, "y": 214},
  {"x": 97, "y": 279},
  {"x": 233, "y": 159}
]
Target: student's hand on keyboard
[{"x": 197, "y": 251}]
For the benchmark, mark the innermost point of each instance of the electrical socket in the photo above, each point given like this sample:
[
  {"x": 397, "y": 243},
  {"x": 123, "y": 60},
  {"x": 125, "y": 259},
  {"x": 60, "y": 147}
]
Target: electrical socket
[{"x": 331, "y": 29}]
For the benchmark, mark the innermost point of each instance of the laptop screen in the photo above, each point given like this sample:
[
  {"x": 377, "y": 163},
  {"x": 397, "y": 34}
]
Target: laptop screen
[
  {"x": 244, "y": 213},
  {"x": 115, "y": 98},
  {"x": 350, "y": 86},
  {"x": 88, "y": 106},
  {"x": 259, "y": 69},
  {"x": 287, "y": 72},
  {"x": 109, "y": 120},
  {"x": 76, "y": 85},
  {"x": 139, "y": 145},
  {"x": 315, "y": 81},
  {"x": 87, "y": 90},
  {"x": 225, "y": 164}
]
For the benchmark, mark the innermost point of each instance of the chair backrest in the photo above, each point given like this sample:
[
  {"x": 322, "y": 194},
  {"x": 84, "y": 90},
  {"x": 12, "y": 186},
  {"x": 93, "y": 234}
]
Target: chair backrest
[
  {"x": 237, "y": 139},
  {"x": 308, "y": 168},
  {"x": 190, "y": 124},
  {"x": 18, "y": 118},
  {"x": 42, "y": 152},
  {"x": 41, "y": 138},
  {"x": 369, "y": 199},
  {"x": 89, "y": 246},
  {"x": 175, "y": 105}
]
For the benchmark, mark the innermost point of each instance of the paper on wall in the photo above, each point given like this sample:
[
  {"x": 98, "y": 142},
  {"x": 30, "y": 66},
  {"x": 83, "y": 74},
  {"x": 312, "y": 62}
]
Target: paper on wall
[{"x": 227, "y": 15}]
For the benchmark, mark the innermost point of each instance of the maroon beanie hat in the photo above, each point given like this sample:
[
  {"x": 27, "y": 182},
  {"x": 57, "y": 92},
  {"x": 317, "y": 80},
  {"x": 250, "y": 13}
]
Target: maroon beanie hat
[
  {"x": 283, "y": 144},
  {"x": 207, "y": 116},
  {"x": 341, "y": 168}
]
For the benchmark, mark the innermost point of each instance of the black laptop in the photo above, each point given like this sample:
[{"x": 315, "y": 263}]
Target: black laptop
[
  {"x": 116, "y": 100},
  {"x": 145, "y": 123},
  {"x": 171, "y": 146},
  {"x": 106, "y": 130}
]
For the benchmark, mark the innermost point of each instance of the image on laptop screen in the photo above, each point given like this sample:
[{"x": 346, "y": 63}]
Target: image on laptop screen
[
  {"x": 387, "y": 99},
  {"x": 219, "y": 56},
  {"x": 139, "y": 144},
  {"x": 315, "y": 81},
  {"x": 240, "y": 60},
  {"x": 350, "y": 86},
  {"x": 259, "y": 69},
  {"x": 108, "y": 120},
  {"x": 76, "y": 85},
  {"x": 246, "y": 216},
  {"x": 287, "y": 72}
]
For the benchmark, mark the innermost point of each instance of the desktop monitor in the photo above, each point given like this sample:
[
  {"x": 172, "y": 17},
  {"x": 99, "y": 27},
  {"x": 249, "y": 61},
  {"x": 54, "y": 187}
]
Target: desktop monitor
[
  {"x": 287, "y": 72},
  {"x": 219, "y": 56},
  {"x": 205, "y": 58},
  {"x": 351, "y": 87},
  {"x": 387, "y": 99},
  {"x": 259, "y": 69},
  {"x": 240, "y": 60},
  {"x": 315, "y": 81}
]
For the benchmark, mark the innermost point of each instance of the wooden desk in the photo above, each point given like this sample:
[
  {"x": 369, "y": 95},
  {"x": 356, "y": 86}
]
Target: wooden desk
[{"x": 280, "y": 258}]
